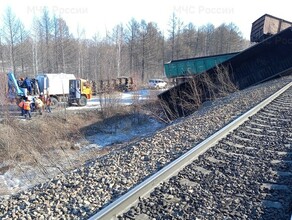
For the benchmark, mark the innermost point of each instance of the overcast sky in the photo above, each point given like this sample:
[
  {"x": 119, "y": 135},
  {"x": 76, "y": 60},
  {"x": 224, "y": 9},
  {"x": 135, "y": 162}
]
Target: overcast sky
[{"x": 99, "y": 16}]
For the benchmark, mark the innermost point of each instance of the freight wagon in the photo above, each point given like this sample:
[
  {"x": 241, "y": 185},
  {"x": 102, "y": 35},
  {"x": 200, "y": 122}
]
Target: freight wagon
[
  {"x": 263, "y": 61},
  {"x": 266, "y": 26},
  {"x": 181, "y": 69}
]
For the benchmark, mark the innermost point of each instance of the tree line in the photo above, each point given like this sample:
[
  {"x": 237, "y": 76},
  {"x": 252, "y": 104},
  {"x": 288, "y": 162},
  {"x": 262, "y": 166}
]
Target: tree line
[{"x": 138, "y": 48}]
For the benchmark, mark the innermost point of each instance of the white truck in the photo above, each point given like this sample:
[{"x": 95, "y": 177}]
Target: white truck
[
  {"x": 56, "y": 85},
  {"x": 62, "y": 87}
]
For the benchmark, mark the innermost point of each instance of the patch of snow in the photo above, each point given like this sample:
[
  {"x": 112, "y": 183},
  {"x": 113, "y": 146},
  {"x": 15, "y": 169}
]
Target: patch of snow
[
  {"x": 9, "y": 182},
  {"x": 90, "y": 146},
  {"x": 126, "y": 98},
  {"x": 122, "y": 133}
]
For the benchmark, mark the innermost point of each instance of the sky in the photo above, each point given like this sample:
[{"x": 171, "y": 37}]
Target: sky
[{"x": 97, "y": 17}]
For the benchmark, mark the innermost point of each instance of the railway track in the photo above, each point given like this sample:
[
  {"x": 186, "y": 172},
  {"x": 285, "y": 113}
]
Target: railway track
[{"x": 243, "y": 171}]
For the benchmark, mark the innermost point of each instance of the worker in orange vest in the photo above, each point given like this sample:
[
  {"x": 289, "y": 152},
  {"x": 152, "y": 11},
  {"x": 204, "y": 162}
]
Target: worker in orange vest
[
  {"x": 21, "y": 104},
  {"x": 26, "y": 107}
]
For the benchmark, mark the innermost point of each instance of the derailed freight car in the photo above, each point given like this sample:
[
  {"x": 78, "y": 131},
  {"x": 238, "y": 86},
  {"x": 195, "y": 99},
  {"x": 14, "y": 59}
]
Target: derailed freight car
[
  {"x": 266, "y": 26},
  {"x": 196, "y": 65},
  {"x": 261, "y": 62}
]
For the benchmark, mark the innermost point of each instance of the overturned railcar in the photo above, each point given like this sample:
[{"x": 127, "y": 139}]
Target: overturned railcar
[
  {"x": 266, "y": 26},
  {"x": 266, "y": 60},
  {"x": 191, "y": 66}
]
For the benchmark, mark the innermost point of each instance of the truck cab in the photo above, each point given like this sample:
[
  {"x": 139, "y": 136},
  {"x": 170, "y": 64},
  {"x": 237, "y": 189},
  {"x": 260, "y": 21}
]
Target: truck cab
[{"x": 79, "y": 92}]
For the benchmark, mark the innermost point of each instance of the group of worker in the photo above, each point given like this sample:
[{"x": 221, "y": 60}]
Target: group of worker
[
  {"x": 30, "y": 85},
  {"x": 39, "y": 103}
]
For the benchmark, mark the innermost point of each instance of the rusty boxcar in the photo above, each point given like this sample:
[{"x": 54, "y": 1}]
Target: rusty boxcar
[{"x": 266, "y": 26}]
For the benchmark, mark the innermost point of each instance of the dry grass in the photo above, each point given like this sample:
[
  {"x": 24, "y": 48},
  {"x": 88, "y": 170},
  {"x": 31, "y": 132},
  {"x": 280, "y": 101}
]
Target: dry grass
[
  {"x": 39, "y": 149},
  {"x": 183, "y": 100},
  {"x": 26, "y": 140}
]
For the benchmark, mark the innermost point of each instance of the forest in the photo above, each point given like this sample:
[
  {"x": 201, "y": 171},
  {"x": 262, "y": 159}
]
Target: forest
[{"x": 137, "y": 49}]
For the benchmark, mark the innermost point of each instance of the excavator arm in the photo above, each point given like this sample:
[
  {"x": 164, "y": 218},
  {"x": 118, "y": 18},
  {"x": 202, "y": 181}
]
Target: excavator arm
[{"x": 12, "y": 85}]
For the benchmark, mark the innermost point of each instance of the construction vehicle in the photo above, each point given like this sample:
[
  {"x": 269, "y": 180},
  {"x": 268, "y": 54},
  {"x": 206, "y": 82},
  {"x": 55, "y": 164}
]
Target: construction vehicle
[
  {"x": 79, "y": 92},
  {"x": 124, "y": 84},
  {"x": 19, "y": 89},
  {"x": 22, "y": 89},
  {"x": 57, "y": 85},
  {"x": 13, "y": 86},
  {"x": 120, "y": 84}
]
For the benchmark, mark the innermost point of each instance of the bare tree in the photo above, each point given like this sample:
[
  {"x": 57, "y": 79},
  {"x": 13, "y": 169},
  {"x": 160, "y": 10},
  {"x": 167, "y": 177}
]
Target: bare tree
[
  {"x": 61, "y": 37},
  {"x": 80, "y": 37},
  {"x": 154, "y": 52},
  {"x": 143, "y": 35},
  {"x": 118, "y": 39},
  {"x": 95, "y": 57},
  {"x": 56, "y": 62},
  {"x": 45, "y": 38},
  {"x": 11, "y": 35},
  {"x": 24, "y": 54},
  {"x": 189, "y": 36},
  {"x": 172, "y": 33},
  {"x": 2, "y": 51},
  {"x": 132, "y": 41},
  {"x": 35, "y": 39}
]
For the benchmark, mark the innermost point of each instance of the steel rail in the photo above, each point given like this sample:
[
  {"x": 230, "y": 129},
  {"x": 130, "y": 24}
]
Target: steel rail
[{"x": 113, "y": 210}]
